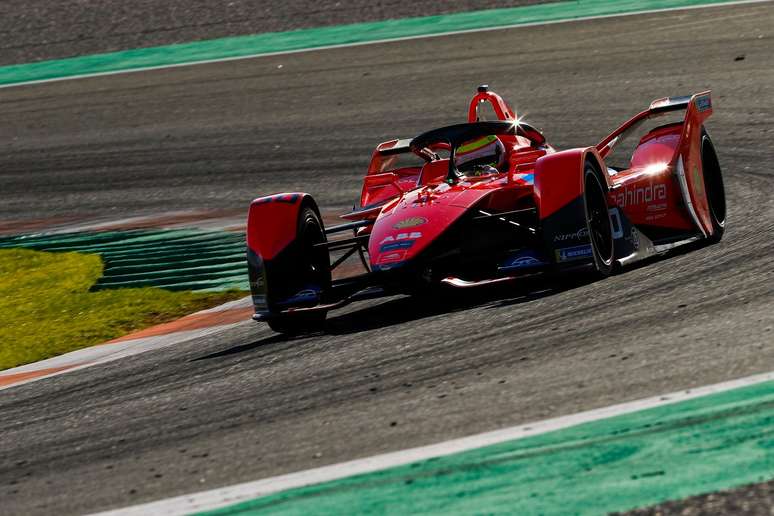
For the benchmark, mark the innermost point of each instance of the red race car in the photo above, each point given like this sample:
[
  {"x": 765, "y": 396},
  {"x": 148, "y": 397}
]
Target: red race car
[{"x": 488, "y": 202}]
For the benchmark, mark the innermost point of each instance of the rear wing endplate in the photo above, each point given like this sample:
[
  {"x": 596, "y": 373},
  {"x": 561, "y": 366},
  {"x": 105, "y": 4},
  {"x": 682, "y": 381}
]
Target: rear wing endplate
[{"x": 393, "y": 147}]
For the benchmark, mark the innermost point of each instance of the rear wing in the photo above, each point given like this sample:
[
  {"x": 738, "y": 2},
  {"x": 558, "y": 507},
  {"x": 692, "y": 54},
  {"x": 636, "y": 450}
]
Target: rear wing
[
  {"x": 679, "y": 150},
  {"x": 699, "y": 103}
]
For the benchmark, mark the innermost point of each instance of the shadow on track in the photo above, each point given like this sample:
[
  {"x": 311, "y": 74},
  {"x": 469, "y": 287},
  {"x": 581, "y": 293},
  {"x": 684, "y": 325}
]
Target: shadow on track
[
  {"x": 244, "y": 348},
  {"x": 403, "y": 309},
  {"x": 446, "y": 301}
]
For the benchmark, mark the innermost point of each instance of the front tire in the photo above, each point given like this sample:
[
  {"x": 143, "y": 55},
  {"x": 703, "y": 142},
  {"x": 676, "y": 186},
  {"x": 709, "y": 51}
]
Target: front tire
[{"x": 307, "y": 268}]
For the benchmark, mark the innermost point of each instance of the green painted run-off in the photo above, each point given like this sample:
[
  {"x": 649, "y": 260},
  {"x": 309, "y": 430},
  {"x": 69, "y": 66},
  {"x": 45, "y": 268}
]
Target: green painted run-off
[
  {"x": 267, "y": 43},
  {"x": 669, "y": 452},
  {"x": 181, "y": 259}
]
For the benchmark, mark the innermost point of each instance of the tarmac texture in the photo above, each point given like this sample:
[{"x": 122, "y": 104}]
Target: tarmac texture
[
  {"x": 753, "y": 499},
  {"x": 36, "y": 30},
  {"x": 245, "y": 404}
]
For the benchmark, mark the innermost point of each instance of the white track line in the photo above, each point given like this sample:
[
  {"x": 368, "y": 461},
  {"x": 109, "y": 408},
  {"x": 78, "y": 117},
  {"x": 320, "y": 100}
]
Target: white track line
[
  {"x": 377, "y": 42},
  {"x": 222, "y": 497}
]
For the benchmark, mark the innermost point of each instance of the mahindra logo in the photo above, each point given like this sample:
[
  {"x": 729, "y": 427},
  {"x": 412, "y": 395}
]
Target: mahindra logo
[
  {"x": 581, "y": 234},
  {"x": 641, "y": 195}
]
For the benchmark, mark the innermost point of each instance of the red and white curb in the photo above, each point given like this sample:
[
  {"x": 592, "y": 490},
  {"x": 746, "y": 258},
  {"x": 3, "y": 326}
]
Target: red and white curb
[{"x": 187, "y": 328}]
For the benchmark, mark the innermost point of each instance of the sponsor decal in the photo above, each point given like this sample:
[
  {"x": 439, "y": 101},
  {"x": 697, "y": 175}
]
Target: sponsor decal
[
  {"x": 703, "y": 103},
  {"x": 581, "y": 234},
  {"x": 392, "y": 257},
  {"x": 522, "y": 260},
  {"x": 410, "y": 222},
  {"x": 394, "y": 246},
  {"x": 387, "y": 266},
  {"x": 401, "y": 236},
  {"x": 578, "y": 252},
  {"x": 258, "y": 282},
  {"x": 656, "y": 207},
  {"x": 641, "y": 195},
  {"x": 303, "y": 296},
  {"x": 615, "y": 220},
  {"x": 657, "y": 216},
  {"x": 524, "y": 179}
]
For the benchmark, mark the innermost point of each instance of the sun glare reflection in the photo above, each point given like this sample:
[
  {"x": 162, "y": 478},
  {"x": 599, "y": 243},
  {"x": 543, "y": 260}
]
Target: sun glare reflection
[{"x": 655, "y": 168}]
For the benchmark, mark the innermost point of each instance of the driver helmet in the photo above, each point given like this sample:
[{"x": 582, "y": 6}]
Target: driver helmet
[{"x": 481, "y": 154}]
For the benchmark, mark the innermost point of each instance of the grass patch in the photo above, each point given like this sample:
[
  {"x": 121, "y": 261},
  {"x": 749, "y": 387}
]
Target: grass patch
[{"x": 46, "y": 308}]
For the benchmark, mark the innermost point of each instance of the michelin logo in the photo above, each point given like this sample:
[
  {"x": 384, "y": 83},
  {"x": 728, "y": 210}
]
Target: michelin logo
[{"x": 569, "y": 254}]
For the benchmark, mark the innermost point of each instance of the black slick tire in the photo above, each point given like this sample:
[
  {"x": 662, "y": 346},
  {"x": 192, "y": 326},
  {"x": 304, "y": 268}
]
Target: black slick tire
[
  {"x": 714, "y": 188},
  {"x": 311, "y": 266}
]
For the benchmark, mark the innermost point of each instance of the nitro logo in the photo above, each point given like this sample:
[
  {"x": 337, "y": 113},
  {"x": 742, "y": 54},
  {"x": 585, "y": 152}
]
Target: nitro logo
[
  {"x": 641, "y": 195},
  {"x": 581, "y": 234}
]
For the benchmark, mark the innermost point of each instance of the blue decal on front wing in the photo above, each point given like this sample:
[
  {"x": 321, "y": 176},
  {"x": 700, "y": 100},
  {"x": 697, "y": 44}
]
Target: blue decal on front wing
[
  {"x": 307, "y": 295},
  {"x": 523, "y": 259},
  {"x": 394, "y": 246},
  {"x": 386, "y": 266}
]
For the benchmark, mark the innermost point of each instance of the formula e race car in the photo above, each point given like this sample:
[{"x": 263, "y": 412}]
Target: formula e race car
[{"x": 490, "y": 201}]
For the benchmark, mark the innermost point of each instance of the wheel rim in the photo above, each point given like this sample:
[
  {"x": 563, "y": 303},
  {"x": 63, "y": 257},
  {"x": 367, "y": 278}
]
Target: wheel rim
[{"x": 600, "y": 230}]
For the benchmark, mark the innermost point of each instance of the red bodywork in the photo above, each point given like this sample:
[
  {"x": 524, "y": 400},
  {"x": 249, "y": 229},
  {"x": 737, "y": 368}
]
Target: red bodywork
[
  {"x": 420, "y": 193},
  {"x": 650, "y": 191},
  {"x": 271, "y": 223},
  {"x": 406, "y": 209}
]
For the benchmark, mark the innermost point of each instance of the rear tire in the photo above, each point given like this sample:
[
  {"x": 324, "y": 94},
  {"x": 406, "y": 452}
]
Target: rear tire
[
  {"x": 598, "y": 221},
  {"x": 713, "y": 186},
  {"x": 309, "y": 268}
]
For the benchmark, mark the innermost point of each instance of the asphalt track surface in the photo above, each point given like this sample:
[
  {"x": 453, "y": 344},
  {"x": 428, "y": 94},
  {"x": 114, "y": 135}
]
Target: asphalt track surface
[
  {"x": 33, "y": 30},
  {"x": 749, "y": 499},
  {"x": 245, "y": 404}
]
